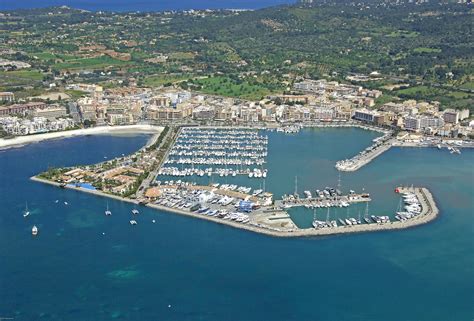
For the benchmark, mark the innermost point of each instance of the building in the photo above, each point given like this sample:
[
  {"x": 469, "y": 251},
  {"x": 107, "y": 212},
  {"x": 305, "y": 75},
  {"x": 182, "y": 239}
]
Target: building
[
  {"x": 463, "y": 114},
  {"x": 167, "y": 113},
  {"x": 90, "y": 88},
  {"x": 365, "y": 115},
  {"x": 161, "y": 101},
  {"x": 412, "y": 123},
  {"x": 299, "y": 99},
  {"x": 20, "y": 109},
  {"x": 323, "y": 113},
  {"x": 7, "y": 96},
  {"x": 203, "y": 112},
  {"x": 431, "y": 122},
  {"x": 451, "y": 116},
  {"x": 425, "y": 122},
  {"x": 51, "y": 112}
]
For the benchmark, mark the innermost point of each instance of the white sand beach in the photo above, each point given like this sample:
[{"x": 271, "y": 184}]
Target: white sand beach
[{"x": 102, "y": 130}]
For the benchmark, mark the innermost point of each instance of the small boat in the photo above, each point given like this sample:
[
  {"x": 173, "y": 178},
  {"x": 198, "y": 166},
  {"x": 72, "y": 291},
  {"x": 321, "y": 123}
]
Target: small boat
[
  {"x": 34, "y": 230},
  {"x": 66, "y": 203},
  {"x": 26, "y": 212},
  {"x": 135, "y": 211},
  {"x": 133, "y": 222},
  {"x": 108, "y": 212}
]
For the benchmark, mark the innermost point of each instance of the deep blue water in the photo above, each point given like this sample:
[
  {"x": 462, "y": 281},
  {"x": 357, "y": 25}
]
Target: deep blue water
[
  {"x": 187, "y": 269},
  {"x": 143, "y": 5}
]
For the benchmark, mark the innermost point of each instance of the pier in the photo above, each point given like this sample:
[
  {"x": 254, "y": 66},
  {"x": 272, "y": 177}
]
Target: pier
[
  {"x": 364, "y": 157},
  {"x": 317, "y": 202}
]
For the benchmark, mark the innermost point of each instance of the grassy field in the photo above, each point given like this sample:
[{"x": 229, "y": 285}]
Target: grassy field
[
  {"x": 421, "y": 90},
  {"x": 468, "y": 85},
  {"x": 91, "y": 63},
  {"x": 18, "y": 78},
  {"x": 75, "y": 94},
  {"x": 27, "y": 74},
  {"x": 159, "y": 80},
  {"x": 426, "y": 50},
  {"x": 226, "y": 86}
]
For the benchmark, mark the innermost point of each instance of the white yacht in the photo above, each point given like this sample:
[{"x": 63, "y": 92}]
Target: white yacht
[
  {"x": 34, "y": 230},
  {"x": 26, "y": 212},
  {"x": 107, "y": 211},
  {"x": 135, "y": 211},
  {"x": 133, "y": 222}
]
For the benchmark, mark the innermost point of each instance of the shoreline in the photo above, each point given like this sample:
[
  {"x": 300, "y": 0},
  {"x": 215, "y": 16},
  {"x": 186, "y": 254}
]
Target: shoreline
[
  {"x": 102, "y": 130},
  {"x": 429, "y": 213}
]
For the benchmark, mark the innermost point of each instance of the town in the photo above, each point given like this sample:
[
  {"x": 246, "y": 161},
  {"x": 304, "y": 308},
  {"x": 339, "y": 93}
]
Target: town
[{"x": 308, "y": 101}]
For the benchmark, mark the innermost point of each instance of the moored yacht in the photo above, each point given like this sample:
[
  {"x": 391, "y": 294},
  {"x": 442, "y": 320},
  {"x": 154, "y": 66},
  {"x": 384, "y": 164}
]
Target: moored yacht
[{"x": 34, "y": 230}]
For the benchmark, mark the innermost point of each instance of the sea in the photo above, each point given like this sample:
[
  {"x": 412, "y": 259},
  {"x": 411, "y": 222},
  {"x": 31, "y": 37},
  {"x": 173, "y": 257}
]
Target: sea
[
  {"x": 85, "y": 266},
  {"x": 143, "y": 5}
]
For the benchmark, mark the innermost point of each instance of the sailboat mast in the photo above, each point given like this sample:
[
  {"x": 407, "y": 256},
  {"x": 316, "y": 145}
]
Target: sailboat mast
[{"x": 296, "y": 185}]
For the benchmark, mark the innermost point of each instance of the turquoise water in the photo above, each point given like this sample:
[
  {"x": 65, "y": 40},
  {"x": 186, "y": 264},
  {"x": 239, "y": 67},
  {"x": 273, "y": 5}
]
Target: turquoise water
[{"x": 187, "y": 269}]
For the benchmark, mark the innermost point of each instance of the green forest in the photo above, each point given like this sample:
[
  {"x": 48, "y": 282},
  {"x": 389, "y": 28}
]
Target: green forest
[{"x": 427, "y": 47}]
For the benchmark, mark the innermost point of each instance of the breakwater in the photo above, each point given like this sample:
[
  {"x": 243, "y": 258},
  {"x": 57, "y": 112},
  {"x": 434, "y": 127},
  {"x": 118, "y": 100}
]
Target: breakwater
[{"x": 429, "y": 212}]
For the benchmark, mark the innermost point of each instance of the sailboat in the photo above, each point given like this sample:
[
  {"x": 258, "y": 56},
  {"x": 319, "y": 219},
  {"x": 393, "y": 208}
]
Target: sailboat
[
  {"x": 108, "y": 212},
  {"x": 366, "y": 214},
  {"x": 330, "y": 223},
  {"x": 26, "y": 212},
  {"x": 315, "y": 222},
  {"x": 347, "y": 220},
  {"x": 343, "y": 222},
  {"x": 400, "y": 214}
]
